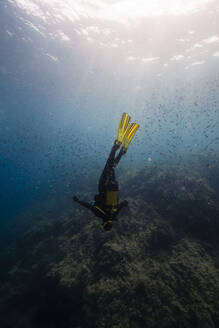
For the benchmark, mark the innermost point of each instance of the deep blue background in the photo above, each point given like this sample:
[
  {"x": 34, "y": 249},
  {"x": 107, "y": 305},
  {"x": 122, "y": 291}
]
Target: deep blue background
[{"x": 58, "y": 118}]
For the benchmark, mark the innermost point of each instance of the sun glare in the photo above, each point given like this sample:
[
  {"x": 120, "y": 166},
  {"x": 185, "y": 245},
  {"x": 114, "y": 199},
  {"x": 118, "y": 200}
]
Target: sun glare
[
  {"x": 129, "y": 9},
  {"x": 111, "y": 10}
]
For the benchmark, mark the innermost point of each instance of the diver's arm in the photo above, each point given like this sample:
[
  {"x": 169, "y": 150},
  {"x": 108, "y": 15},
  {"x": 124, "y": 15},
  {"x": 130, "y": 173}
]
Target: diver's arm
[{"x": 85, "y": 204}]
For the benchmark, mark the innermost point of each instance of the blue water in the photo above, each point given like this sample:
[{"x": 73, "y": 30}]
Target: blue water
[{"x": 61, "y": 100}]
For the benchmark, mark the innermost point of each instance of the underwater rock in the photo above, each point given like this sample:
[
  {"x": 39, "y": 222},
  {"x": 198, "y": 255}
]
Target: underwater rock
[
  {"x": 134, "y": 282},
  {"x": 186, "y": 201},
  {"x": 161, "y": 235},
  {"x": 158, "y": 267}
]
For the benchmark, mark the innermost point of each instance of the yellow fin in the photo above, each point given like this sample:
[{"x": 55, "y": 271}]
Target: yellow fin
[
  {"x": 122, "y": 128},
  {"x": 133, "y": 127}
]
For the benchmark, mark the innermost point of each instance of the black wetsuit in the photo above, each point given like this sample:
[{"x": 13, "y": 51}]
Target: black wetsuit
[{"x": 107, "y": 182}]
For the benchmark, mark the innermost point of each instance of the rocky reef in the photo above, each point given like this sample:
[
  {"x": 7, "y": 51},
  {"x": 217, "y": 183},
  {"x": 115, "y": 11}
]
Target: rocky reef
[{"x": 158, "y": 267}]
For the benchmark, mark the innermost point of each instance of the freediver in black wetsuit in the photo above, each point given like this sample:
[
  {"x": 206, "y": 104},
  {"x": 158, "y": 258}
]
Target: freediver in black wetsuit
[{"x": 106, "y": 204}]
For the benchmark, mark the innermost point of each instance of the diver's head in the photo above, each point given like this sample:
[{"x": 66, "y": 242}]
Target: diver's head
[{"x": 107, "y": 226}]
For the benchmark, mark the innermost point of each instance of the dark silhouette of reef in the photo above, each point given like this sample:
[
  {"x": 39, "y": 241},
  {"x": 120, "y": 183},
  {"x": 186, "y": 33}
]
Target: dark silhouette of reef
[{"x": 158, "y": 267}]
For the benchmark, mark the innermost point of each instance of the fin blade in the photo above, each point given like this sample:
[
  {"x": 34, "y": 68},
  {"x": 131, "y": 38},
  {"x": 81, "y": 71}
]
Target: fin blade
[
  {"x": 122, "y": 128},
  {"x": 132, "y": 129}
]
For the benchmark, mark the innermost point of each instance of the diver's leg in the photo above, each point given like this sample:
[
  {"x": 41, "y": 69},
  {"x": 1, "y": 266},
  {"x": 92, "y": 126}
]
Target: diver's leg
[
  {"x": 111, "y": 158},
  {"x": 118, "y": 157},
  {"x": 108, "y": 172},
  {"x": 107, "y": 175}
]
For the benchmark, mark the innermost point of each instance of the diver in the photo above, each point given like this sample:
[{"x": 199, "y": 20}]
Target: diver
[{"x": 106, "y": 203}]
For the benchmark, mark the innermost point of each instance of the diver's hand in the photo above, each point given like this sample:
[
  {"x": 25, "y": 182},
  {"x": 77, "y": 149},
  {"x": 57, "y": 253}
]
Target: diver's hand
[{"x": 75, "y": 199}]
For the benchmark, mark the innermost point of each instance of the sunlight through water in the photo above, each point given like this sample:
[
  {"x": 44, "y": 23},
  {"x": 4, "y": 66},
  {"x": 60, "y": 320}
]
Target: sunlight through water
[{"x": 120, "y": 10}]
